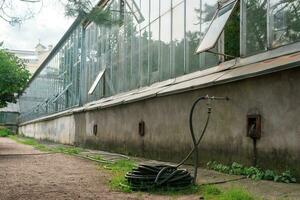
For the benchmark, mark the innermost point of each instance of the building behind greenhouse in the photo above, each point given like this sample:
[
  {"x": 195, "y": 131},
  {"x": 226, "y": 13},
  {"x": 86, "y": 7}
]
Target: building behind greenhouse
[
  {"x": 9, "y": 117},
  {"x": 127, "y": 85}
]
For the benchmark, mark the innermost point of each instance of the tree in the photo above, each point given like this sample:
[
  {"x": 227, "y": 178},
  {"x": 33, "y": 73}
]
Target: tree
[
  {"x": 8, "y": 10},
  {"x": 13, "y": 77},
  {"x": 73, "y": 8}
]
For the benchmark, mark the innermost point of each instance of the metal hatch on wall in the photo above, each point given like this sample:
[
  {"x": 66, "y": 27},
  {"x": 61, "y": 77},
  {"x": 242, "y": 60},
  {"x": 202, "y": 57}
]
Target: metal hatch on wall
[{"x": 216, "y": 27}]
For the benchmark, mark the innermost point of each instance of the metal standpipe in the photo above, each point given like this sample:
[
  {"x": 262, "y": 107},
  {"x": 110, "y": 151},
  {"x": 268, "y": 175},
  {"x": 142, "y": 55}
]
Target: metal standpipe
[{"x": 195, "y": 142}]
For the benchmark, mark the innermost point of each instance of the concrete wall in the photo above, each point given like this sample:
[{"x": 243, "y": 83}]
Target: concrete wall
[
  {"x": 58, "y": 130},
  {"x": 275, "y": 97}
]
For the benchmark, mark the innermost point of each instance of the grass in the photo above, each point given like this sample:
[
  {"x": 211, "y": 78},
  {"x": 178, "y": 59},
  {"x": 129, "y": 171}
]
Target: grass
[
  {"x": 118, "y": 169},
  {"x": 118, "y": 182},
  {"x": 67, "y": 150},
  {"x": 236, "y": 194},
  {"x": 70, "y": 150},
  {"x": 31, "y": 142},
  {"x": 4, "y": 132}
]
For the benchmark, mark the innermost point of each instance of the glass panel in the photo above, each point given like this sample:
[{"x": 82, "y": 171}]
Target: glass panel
[
  {"x": 165, "y": 6},
  {"x": 232, "y": 35},
  {"x": 216, "y": 27},
  {"x": 134, "y": 9},
  {"x": 165, "y": 45},
  {"x": 121, "y": 61},
  {"x": 134, "y": 55},
  {"x": 193, "y": 26},
  {"x": 55, "y": 87},
  {"x": 128, "y": 46},
  {"x": 135, "y": 59},
  {"x": 176, "y": 2},
  {"x": 134, "y": 72},
  {"x": 115, "y": 58},
  {"x": 198, "y": 17},
  {"x": 178, "y": 39},
  {"x": 284, "y": 21},
  {"x": 94, "y": 60},
  {"x": 154, "y": 14},
  {"x": 144, "y": 56},
  {"x": 108, "y": 87},
  {"x": 145, "y": 11},
  {"x": 254, "y": 31},
  {"x": 154, "y": 49}
]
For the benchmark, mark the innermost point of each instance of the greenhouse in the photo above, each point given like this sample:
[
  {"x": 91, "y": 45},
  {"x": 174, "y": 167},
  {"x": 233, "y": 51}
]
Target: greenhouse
[
  {"x": 127, "y": 84},
  {"x": 148, "y": 42}
]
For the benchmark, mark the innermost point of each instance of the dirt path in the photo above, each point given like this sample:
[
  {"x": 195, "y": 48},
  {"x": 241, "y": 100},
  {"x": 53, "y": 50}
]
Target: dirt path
[
  {"x": 54, "y": 176},
  {"x": 58, "y": 176}
]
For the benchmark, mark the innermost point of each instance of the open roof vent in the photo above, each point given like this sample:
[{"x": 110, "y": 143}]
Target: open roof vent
[{"x": 216, "y": 26}]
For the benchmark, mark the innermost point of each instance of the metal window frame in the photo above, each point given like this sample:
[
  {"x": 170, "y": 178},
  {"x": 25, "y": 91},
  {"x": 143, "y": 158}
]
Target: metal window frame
[
  {"x": 62, "y": 92},
  {"x": 269, "y": 33},
  {"x": 139, "y": 18}
]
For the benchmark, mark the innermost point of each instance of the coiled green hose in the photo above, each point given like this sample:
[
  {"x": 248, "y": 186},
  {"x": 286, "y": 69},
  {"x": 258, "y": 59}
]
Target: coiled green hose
[{"x": 145, "y": 177}]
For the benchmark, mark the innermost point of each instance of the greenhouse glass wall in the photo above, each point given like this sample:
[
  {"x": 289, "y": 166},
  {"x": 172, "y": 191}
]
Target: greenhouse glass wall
[
  {"x": 153, "y": 41},
  {"x": 9, "y": 116}
]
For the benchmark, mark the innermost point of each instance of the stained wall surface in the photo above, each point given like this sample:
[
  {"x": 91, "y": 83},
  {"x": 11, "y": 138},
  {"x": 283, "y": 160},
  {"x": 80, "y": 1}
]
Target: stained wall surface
[{"x": 275, "y": 97}]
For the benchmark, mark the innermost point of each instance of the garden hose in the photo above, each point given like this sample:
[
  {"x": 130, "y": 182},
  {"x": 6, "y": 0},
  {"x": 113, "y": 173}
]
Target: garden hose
[{"x": 145, "y": 177}]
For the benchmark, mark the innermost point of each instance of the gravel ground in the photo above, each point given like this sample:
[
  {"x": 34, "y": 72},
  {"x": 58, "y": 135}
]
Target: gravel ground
[
  {"x": 59, "y": 176},
  {"x": 54, "y": 176}
]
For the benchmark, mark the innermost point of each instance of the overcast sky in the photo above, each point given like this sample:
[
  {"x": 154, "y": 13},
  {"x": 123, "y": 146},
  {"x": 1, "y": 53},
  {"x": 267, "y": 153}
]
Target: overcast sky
[{"x": 48, "y": 26}]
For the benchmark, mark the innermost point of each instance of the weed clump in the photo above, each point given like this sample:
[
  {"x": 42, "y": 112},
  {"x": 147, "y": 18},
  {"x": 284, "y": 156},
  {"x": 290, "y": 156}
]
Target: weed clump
[
  {"x": 4, "y": 132},
  {"x": 253, "y": 173}
]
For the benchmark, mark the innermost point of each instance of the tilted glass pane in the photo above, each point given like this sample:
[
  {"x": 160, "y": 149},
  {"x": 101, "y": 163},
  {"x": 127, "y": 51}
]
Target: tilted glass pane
[
  {"x": 96, "y": 82},
  {"x": 216, "y": 27}
]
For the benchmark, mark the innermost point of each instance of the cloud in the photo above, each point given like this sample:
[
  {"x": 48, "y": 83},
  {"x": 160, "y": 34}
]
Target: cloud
[{"x": 48, "y": 26}]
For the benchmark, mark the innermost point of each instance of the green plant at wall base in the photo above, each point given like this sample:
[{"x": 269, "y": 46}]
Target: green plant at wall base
[
  {"x": 253, "y": 173},
  {"x": 4, "y": 132}
]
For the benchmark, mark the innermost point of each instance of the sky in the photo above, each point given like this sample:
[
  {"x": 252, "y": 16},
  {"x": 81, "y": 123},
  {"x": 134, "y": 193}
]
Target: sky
[{"x": 48, "y": 26}]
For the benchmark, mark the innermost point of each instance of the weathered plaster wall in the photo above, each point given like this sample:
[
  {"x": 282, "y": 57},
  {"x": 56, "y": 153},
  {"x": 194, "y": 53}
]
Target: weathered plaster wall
[
  {"x": 275, "y": 97},
  {"x": 58, "y": 130}
]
